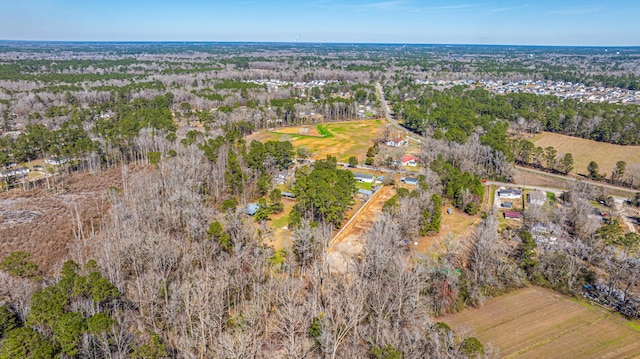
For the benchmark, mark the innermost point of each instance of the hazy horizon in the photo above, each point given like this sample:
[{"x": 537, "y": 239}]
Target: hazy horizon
[
  {"x": 306, "y": 43},
  {"x": 493, "y": 22}
]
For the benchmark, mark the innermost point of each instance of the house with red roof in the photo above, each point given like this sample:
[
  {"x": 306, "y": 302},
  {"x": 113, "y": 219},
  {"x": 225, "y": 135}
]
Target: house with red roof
[
  {"x": 409, "y": 160},
  {"x": 512, "y": 215}
]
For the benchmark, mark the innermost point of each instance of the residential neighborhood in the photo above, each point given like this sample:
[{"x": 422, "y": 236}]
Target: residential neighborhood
[{"x": 562, "y": 89}]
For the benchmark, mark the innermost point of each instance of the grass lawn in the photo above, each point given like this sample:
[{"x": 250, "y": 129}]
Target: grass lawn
[
  {"x": 455, "y": 226},
  {"x": 364, "y": 185},
  {"x": 341, "y": 139},
  {"x": 278, "y": 221}
]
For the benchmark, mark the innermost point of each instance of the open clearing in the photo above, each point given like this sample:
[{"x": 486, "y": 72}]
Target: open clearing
[
  {"x": 349, "y": 138},
  {"x": 349, "y": 241},
  {"x": 535, "y": 322},
  {"x": 282, "y": 237},
  {"x": 42, "y": 221},
  {"x": 584, "y": 151},
  {"x": 454, "y": 227}
]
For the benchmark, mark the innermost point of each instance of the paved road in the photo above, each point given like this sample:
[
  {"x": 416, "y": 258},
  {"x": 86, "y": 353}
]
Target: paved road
[
  {"x": 418, "y": 138},
  {"x": 570, "y": 178},
  {"x": 387, "y": 112}
]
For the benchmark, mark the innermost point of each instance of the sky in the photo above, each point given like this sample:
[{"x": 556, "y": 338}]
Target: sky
[{"x": 541, "y": 22}]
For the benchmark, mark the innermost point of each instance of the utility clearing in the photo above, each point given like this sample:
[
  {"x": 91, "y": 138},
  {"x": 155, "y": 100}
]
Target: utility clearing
[
  {"x": 535, "y": 322},
  {"x": 349, "y": 242}
]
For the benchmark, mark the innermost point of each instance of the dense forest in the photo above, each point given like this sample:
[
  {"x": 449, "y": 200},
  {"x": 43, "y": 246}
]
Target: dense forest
[{"x": 457, "y": 112}]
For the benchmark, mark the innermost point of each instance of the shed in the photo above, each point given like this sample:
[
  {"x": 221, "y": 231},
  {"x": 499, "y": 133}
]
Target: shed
[
  {"x": 512, "y": 215},
  {"x": 251, "y": 209},
  {"x": 507, "y": 205},
  {"x": 288, "y": 195},
  {"x": 365, "y": 192},
  {"x": 409, "y": 180}
]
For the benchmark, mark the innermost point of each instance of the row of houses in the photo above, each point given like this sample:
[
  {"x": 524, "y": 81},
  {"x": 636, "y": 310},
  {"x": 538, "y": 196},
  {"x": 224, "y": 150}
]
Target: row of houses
[
  {"x": 16, "y": 172},
  {"x": 534, "y": 197},
  {"x": 397, "y": 142}
]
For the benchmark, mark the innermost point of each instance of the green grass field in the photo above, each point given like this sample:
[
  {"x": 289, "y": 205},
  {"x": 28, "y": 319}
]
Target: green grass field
[
  {"x": 339, "y": 139},
  {"x": 364, "y": 185}
]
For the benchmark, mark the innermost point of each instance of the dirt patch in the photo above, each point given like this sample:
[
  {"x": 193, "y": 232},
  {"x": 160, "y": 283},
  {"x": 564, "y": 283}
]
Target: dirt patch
[
  {"x": 302, "y": 131},
  {"x": 41, "y": 221},
  {"x": 536, "y": 322},
  {"x": 454, "y": 227},
  {"x": 585, "y": 151},
  {"x": 349, "y": 241}
]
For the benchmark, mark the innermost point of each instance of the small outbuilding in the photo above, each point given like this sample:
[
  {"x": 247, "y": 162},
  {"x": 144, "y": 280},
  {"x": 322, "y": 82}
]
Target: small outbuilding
[
  {"x": 365, "y": 192},
  {"x": 409, "y": 180},
  {"x": 251, "y": 209},
  {"x": 512, "y": 215},
  {"x": 288, "y": 195}
]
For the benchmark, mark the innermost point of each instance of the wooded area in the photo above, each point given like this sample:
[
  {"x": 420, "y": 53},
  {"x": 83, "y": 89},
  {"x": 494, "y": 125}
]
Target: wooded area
[{"x": 174, "y": 265}]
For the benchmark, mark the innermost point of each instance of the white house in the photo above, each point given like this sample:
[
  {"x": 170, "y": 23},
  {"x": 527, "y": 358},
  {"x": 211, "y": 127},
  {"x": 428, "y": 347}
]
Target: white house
[
  {"x": 510, "y": 193},
  {"x": 364, "y": 178},
  {"x": 56, "y": 161},
  {"x": 537, "y": 198},
  {"x": 397, "y": 142},
  {"x": 409, "y": 160},
  {"x": 15, "y": 172}
]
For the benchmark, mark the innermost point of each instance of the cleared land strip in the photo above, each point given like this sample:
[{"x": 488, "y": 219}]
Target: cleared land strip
[
  {"x": 349, "y": 240},
  {"x": 536, "y": 322}
]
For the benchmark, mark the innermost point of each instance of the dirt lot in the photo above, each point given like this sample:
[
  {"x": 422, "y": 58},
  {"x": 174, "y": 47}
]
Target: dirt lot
[
  {"x": 349, "y": 241},
  {"x": 40, "y": 221},
  {"x": 348, "y": 138},
  {"x": 310, "y": 130},
  {"x": 539, "y": 323},
  {"x": 454, "y": 227},
  {"x": 585, "y": 151}
]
